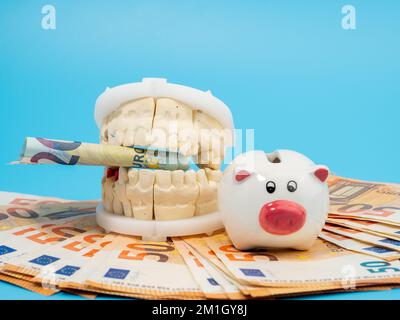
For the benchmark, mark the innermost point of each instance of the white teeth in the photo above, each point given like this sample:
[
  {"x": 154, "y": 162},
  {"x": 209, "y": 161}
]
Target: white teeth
[
  {"x": 208, "y": 181},
  {"x": 112, "y": 128},
  {"x": 107, "y": 193},
  {"x": 111, "y": 201},
  {"x": 211, "y": 140},
  {"x": 165, "y": 126},
  {"x": 130, "y": 124},
  {"x": 214, "y": 177},
  {"x": 170, "y": 195},
  {"x": 173, "y": 127},
  {"x": 175, "y": 194},
  {"x": 166, "y": 123},
  {"x": 129, "y": 139},
  {"x": 177, "y": 178},
  {"x": 162, "y": 195},
  {"x": 187, "y": 192},
  {"x": 120, "y": 136},
  {"x": 191, "y": 192},
  {"x": 117, "y": 203},
  {"x": 139, "y": 116},
  {"x": 104, "y": 133},
  {"x": 140, "y": 193},
  {"x": 120, "y": 191}
]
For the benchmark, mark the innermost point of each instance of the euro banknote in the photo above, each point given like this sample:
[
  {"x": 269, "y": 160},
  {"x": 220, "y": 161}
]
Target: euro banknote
[
  {"x": 82, "y": 259},
  {"x": 73, "y": 267},
  {"x": 318, "y": 266},
  {"x": 364, "y": 200},
  {"x": 24, "y": 240},
  {"x": 360, "y": 246},
  {"x": 371, "y": 227},
  {"x": 231, "y": 287},
  {"x": 259, "y": 292},
  {"x": 207, "y": 283},
  {"x": 47, "y": 151},
  {"x": 145, "y": 268},
  {"x": 56, "y": 258},
  {"x": 200, "y": 246},
  {"x": 21, "y": 209},
  {"x": 366, "y": 237}
]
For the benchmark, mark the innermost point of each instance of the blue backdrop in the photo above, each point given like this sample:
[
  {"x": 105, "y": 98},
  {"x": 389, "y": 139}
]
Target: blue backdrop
[{"x": 285, "y": 68}]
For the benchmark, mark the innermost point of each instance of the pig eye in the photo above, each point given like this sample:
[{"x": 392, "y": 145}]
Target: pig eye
[
  {"x": 292, "y": 186},
  {"x": 271, "y": 186}
]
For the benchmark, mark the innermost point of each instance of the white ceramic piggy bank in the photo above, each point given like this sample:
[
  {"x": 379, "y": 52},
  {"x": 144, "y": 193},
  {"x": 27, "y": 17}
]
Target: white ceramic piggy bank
[{"x": 276, "y": 200}]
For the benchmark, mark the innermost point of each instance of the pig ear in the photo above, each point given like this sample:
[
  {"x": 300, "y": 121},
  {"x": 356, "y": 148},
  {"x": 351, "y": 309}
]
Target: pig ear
[
  {"x": 321, "y": 172},
  {"x": 241, "y": 175}
]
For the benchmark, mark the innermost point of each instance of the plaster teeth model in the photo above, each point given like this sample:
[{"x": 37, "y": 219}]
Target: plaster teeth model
[
  {"x": 139, "y": 192},
  {"x": 161, "y": 115},
  {"x": 107, "y": 192},
  {"x": 173, "y": 127},
  {"x": 120, "y": 191},
  {"x": 211, "y": 140},
  {"x": 174, "y": 196},
  {"x": 130, "y": 124},
  {"x": 208, "y": 181}
]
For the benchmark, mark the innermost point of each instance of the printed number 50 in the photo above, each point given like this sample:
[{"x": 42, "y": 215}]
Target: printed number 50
[{"x": 378, "y": 266}]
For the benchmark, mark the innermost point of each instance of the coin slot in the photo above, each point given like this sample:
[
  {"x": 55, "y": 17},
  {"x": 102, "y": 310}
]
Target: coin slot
[{"x": 273, "y": 157}]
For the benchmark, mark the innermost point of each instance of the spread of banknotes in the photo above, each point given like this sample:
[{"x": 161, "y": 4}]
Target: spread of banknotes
[{"x": 49, "y": 245}]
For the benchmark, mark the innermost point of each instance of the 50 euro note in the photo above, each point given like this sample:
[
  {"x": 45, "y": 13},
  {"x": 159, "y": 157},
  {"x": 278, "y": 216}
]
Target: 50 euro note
[
  {"x": 73, "y": 267},
  {"x": 360, "y": 246},
  {"x": 255, "y": 291},
  {"x": 143, "y": 268},
  {"x": 372, "y": 227},
  {"x": 21, "y": 209},
  {"x": 200, "y": 247},
  {"x": 56, "y": 259},
  {"x": 25, "y": 240},
  {"x": 230, "y": 287},
  {"x": 86, "y": 263},
  {"x": 381, "y": 241},
  {"x": 321, "y": 265},
  {"x": 363, "y": 200},
  {"x": 47, "y": 151},
  {"x": 211, "y": 283}
]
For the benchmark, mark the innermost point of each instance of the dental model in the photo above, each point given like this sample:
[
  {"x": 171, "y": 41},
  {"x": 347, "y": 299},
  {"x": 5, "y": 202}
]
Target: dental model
[{"x": 159, "y": 115}]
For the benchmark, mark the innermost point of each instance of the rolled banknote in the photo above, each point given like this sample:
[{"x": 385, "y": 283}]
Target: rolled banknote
[{"x": 40, "y": 150}]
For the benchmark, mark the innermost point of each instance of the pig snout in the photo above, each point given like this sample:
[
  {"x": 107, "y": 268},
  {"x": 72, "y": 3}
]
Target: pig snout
[{"x": 282, "y": 217}]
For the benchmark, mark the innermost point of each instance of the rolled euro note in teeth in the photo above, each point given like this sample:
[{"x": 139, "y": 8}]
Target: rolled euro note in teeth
[{"x": 46, "y": 151}]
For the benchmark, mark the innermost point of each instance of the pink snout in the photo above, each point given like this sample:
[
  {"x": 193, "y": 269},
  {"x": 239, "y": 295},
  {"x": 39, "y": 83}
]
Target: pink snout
[{"x": 282, "y": 217}]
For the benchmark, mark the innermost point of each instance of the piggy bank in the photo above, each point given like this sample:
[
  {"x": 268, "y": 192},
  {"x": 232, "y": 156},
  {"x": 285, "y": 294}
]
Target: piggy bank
[{"x": 275, "y": 200}]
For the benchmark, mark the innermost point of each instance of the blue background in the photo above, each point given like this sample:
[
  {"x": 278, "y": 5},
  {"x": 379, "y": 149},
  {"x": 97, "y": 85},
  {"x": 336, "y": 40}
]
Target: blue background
[{"x": 285, "y": 68}]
